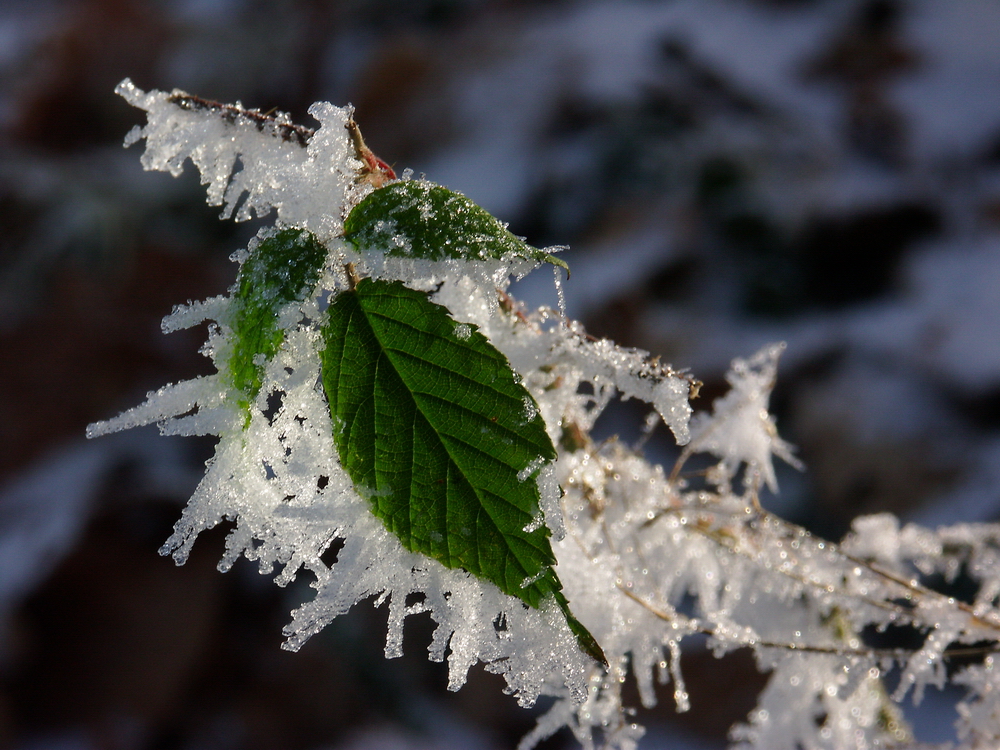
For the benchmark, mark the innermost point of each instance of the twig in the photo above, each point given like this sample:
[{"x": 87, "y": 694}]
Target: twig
[
  {"x": 280, "y": 123},
  {"x": 898, "y": 654}
]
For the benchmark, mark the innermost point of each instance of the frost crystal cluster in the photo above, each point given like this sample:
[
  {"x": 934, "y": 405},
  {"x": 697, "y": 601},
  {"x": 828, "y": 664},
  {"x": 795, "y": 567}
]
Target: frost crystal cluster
[{"x": 379, "y": 395}]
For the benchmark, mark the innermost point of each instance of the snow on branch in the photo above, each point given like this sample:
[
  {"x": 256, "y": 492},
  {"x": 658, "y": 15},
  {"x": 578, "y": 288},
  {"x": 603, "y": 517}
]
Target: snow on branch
[
  {"x": 645, "y": 558},
  {"x": 252, "y": 163}
]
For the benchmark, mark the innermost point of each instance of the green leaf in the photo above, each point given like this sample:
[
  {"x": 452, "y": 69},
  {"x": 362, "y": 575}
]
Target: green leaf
[
  {"x": 435, "y": 430},
  {"x": 421, "y": 219},
  {"x": 282, "y": 268}
]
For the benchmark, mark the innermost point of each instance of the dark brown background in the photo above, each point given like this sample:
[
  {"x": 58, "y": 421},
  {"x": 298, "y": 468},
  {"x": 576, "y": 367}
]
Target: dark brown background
[{"x": 714, "y": 200}]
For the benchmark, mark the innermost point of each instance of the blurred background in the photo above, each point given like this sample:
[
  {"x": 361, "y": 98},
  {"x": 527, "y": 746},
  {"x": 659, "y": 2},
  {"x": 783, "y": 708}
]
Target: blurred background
[{"x": 727, "y": 173}]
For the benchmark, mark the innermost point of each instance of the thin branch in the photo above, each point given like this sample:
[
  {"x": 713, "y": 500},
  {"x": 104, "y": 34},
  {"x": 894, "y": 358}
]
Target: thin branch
[
  {"x": 911, "y": 585},
  {"x": 278, "y": 123},
  {"x": 794, "y": 530},
  {"x": 826, "y": 588},
  {"x": 898, "y": 654}
]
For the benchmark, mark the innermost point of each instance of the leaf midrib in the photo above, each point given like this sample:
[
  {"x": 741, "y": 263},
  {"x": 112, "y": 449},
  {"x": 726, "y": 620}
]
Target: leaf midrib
[{"x": 482, "y": 510}]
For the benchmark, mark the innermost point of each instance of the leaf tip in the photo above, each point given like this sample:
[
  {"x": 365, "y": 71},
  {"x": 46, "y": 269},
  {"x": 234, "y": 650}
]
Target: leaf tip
[
  {"x": 585, "y": 640},
  {"x": 556, "y": 261}
]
